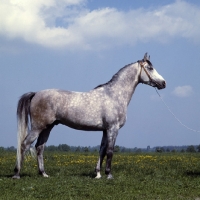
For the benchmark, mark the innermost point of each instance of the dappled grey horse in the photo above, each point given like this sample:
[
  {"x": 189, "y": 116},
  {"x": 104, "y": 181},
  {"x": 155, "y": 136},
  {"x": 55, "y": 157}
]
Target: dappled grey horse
[{"x": 102, "y": 109}]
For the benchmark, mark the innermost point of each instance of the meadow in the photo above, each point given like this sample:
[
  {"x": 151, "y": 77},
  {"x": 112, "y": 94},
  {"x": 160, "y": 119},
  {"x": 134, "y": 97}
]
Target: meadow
[{"x": 136, "y": 176}]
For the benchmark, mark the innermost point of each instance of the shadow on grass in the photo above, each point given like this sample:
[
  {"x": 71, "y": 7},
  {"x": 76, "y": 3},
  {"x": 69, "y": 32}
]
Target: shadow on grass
[
  {"x": 90, "y": 174},
  {"x": 6, "y": 176},
  {"x": 11, "y": 175},
  {"x": 192, "y": 173}
]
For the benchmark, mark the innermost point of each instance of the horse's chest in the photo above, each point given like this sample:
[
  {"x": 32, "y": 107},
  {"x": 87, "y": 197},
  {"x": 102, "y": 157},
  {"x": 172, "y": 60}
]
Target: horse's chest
[{"x": 116, "y": 115}]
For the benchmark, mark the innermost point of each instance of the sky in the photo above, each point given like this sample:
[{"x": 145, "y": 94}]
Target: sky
[{"x": 79, "y": 44}]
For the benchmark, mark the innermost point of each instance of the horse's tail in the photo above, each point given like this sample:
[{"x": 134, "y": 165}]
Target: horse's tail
[{"x": 23, "y": 115}]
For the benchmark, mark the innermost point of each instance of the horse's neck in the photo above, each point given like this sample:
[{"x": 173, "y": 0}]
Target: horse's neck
[{"x": 126, "y": 83}]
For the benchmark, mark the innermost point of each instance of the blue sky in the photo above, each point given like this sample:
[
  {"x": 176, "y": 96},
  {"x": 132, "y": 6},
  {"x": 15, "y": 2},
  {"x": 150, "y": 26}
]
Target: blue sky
[{"x": 77, "y": 45}]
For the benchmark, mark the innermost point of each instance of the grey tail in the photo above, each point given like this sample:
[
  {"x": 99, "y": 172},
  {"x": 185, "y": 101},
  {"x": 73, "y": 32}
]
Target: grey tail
[{"x": 23, "y": 115}]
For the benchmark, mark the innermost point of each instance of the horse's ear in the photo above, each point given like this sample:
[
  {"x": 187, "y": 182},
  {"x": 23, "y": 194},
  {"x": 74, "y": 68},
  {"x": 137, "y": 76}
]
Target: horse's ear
[
  {"x": 145, "y": 57},
  {"x": 149, "y": 58}
]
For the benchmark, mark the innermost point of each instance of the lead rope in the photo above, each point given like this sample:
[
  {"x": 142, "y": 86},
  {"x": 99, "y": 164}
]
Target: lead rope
[{"x": 175, "y": 115}]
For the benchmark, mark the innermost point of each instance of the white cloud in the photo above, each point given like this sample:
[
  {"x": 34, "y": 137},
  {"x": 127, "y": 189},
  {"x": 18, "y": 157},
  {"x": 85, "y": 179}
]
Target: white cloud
[
  {"x": 67, "y": 23},
  {"x": 183, "y": 91}
]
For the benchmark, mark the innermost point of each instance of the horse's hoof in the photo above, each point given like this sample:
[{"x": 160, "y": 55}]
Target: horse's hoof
[
  {"x": 98, "y": 175},
  {"x": 45, "y": 175},
  {"x": 16, "y": 177},
  {"x": 110, "y": 176}
]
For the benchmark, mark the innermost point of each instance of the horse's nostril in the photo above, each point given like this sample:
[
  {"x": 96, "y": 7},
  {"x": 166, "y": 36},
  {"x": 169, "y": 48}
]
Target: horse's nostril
[{"x": 164, "y": 84}]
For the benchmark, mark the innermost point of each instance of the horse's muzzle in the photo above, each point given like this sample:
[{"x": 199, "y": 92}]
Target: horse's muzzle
[{"x": 161, "y": 85}]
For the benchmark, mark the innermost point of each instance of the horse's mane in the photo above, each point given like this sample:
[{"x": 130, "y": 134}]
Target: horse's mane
[{"x": 114, "y": 78}]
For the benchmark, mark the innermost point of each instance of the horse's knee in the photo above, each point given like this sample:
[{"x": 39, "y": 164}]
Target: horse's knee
[
  {"x": 39, "y": 149},
  {"x": 109, "y": 153},
  {"x": 24, "y": 148}
]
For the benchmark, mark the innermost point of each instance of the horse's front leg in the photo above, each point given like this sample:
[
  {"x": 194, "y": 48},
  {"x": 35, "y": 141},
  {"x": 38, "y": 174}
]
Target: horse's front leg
[
  {"x": 111, "y": 137},
  {"x": 102, "y": 153}
]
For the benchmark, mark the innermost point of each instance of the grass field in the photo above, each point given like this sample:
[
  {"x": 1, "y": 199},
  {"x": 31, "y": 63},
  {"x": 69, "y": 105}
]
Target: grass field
[{"x": 136, "y": 176}]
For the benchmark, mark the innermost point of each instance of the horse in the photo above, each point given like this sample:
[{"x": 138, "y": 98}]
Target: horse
[{"x": 103, "y": 109}]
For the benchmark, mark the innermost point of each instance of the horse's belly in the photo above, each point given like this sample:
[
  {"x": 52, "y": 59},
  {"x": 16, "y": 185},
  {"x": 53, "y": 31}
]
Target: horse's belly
[
  {"x": 83, "y": 125},
  {"x": 82, "y": 120}
]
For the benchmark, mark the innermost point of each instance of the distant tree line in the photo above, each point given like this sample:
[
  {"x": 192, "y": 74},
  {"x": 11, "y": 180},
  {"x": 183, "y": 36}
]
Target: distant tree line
[
  {"x": 163, "y": 149},
  {"x": 182, "y": 149},
  {"x": 11, "y": 149},
  {"x": 65, "y": 147}
]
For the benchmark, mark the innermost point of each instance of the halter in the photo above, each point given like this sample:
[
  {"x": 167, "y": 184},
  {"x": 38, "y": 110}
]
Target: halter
[{"x": 142, "y": 67}]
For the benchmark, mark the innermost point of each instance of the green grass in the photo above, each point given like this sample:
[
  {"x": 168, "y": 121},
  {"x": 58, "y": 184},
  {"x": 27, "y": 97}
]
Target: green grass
[{"x": 136, "y": 176}]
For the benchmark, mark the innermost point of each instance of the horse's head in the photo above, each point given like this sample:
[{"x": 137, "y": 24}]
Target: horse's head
[{"x": 148, "y": 75}]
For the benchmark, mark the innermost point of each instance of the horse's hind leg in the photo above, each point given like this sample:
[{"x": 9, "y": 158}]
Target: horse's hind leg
[
  {"x": 102, "y": 153},
  {"x": 30, "y": 138},
  {"x": 42, "y": 139}
]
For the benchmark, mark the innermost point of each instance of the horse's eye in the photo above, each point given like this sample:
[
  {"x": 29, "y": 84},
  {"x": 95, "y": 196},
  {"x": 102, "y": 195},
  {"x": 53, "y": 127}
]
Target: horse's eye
[{"x": 150, "y": 68}]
